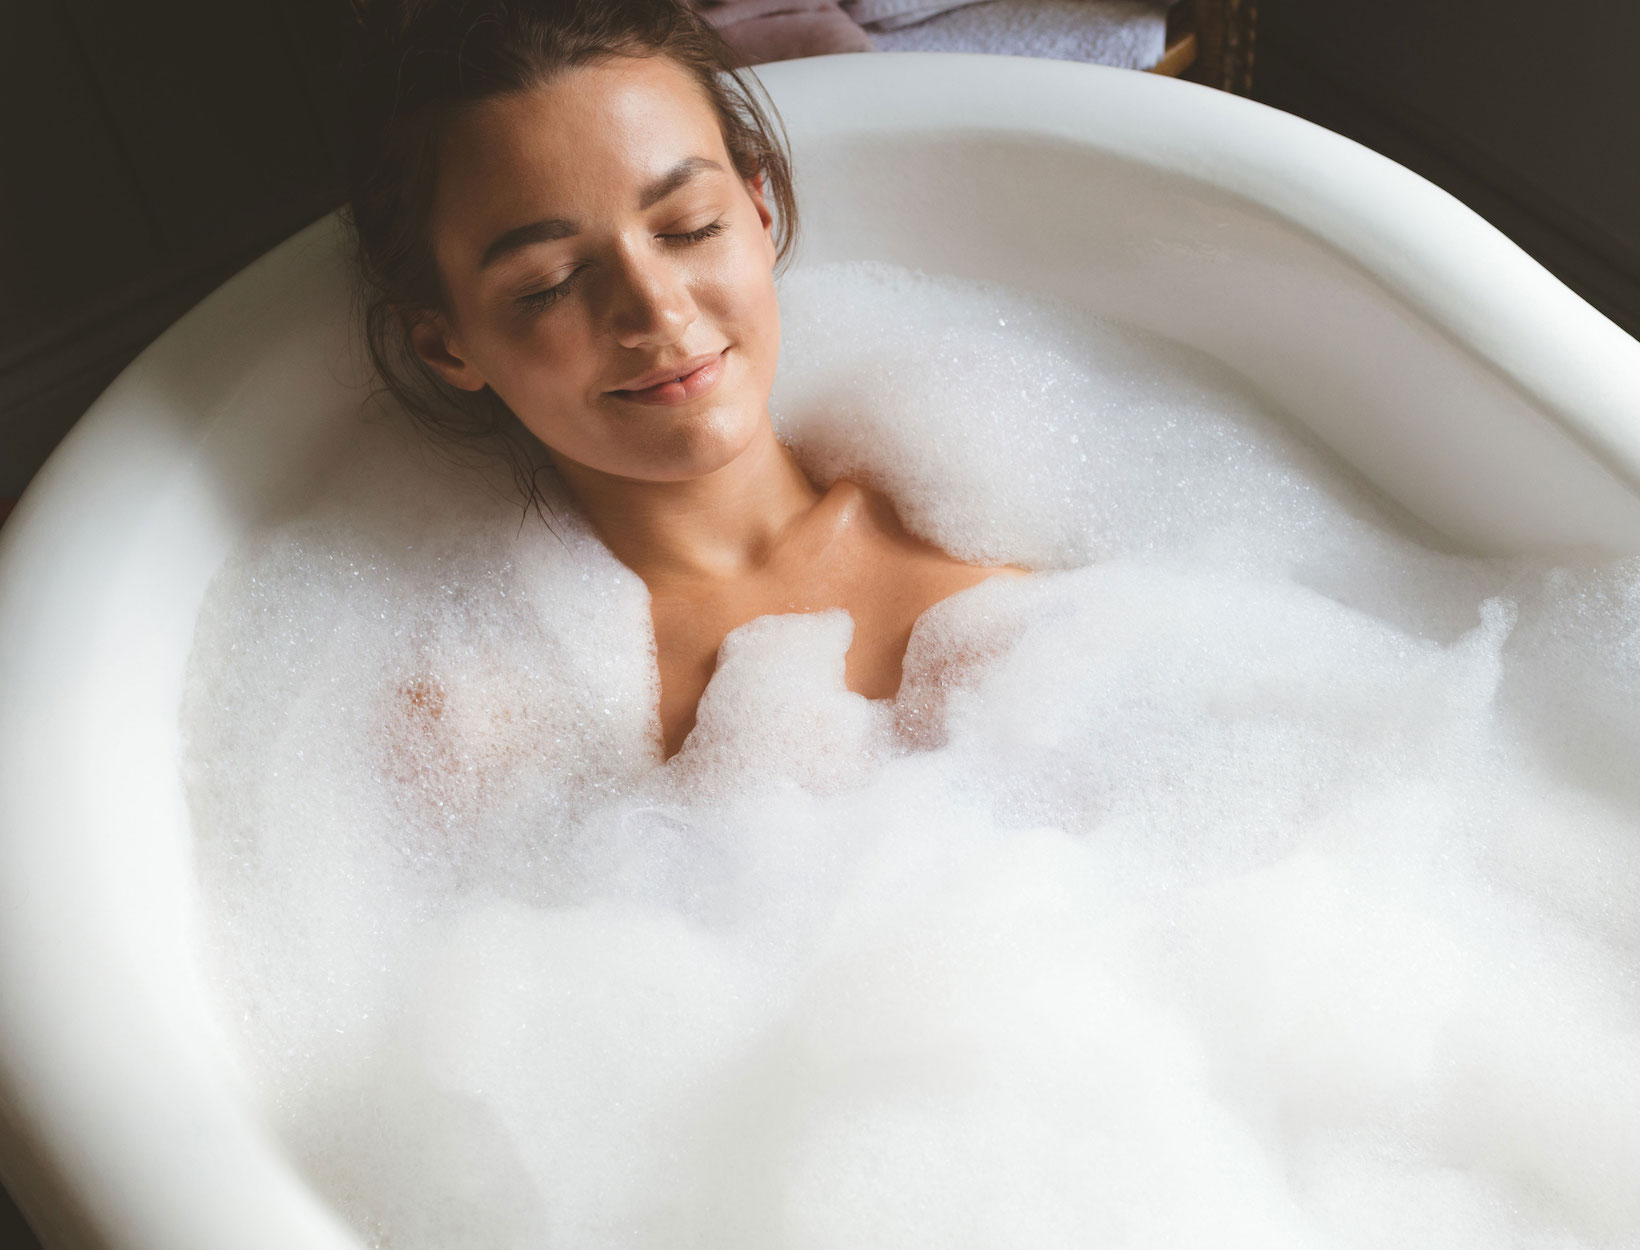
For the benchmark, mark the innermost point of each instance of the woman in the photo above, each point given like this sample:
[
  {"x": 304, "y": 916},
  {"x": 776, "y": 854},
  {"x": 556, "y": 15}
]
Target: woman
[{"x": 563, "y": 219}]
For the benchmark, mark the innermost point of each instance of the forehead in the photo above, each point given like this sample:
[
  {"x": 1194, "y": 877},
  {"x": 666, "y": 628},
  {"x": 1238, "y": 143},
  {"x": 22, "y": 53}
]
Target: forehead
[{"x": 576, "y": 147}]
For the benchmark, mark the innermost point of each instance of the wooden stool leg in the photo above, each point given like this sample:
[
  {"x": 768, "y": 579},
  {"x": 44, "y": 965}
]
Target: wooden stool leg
[{"x": 1225, "y": 37}]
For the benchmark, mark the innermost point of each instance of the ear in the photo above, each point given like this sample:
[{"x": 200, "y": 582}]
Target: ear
[
  {"x": 430, "y": 337},
  {"x": 754, "y": 188}
]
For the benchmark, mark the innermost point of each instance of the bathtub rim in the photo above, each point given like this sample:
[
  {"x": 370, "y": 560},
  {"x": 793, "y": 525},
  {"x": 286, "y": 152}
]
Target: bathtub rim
[{"x": 1421, "y": 243}]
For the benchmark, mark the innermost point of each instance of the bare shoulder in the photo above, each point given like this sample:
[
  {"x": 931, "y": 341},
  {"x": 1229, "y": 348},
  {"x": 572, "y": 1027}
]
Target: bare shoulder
[
  {"x": 931, "y": 561},
  {"x": 963, "y": 574}
]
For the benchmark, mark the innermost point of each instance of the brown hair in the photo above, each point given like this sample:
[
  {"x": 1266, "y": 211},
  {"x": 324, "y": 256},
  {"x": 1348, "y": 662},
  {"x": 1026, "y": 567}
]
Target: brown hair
[{"x": 417, "y": 64}]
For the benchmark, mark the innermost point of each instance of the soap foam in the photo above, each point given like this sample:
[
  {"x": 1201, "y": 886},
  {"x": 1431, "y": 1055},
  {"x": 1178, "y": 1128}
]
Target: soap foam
[{"x": 1254, "y": 873}]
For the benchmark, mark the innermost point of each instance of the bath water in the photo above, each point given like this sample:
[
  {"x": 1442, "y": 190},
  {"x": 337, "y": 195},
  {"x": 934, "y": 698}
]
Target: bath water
[{"x": 1256, "y": 873}]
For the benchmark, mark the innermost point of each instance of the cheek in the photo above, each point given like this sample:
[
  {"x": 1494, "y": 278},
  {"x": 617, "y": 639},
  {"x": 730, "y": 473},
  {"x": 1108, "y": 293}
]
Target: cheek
[
  {"x": 768, "y": 350},
  {"x": 537, "y": 365},
  {"x": 757, "y": 309}
]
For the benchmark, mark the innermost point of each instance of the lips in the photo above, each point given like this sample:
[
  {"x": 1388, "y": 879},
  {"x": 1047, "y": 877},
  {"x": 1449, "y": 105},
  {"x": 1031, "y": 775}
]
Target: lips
[
  {"x": 672, "y": 390},
  {"x": 669, "y": 373}
]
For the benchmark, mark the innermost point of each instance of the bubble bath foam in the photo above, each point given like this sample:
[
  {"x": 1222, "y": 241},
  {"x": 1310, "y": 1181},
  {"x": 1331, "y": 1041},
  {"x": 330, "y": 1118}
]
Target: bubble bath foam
[{"x": 1255, "y": 873}]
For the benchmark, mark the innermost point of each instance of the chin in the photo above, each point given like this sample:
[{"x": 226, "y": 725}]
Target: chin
[{"x": 701, "y": 443}]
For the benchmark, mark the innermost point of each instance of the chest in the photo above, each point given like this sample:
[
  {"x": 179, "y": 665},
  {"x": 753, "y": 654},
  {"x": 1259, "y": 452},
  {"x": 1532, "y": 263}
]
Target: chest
[
  {"x": 689, "y": 629},
  {"x": 689, "y": 632}
]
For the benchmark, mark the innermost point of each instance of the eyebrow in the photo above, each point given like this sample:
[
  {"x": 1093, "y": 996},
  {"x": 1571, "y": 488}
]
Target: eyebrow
[{"x": 551, "y": 228}]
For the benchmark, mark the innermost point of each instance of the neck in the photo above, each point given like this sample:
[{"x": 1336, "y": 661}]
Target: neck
[{"x": 719, "y": 526}]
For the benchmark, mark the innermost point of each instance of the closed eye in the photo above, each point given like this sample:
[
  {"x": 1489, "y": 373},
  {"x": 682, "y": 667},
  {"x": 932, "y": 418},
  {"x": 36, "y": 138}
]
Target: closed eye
[
  {"x": 698, "y": 236},
  {"x": 535, "y": 301}
]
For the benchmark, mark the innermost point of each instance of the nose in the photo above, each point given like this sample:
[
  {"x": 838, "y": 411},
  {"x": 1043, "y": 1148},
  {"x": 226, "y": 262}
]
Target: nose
[{"x": 650, "y": 302}]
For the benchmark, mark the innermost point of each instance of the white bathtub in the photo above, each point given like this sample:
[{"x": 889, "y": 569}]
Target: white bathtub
[{"x": 1405, "y": 332}]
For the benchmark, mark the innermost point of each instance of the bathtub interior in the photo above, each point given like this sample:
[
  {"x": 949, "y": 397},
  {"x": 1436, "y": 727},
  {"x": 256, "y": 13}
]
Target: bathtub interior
[
  {"x": 128, "y": 1123},
  {"x": 1437, "y": 431}
]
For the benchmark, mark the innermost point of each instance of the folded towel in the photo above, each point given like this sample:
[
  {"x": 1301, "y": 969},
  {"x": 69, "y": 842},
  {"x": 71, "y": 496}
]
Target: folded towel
[
  {"x": 892, "y": 14},
  {"x": 1130, "y": 34},
  {"x": 783, "y": 30}
]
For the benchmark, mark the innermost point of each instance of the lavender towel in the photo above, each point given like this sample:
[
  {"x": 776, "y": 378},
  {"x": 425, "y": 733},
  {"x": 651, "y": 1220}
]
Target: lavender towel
[
  {"x": 783, "y": 30},
  {"x": 892, "y": 14},
  {"x": 1129, "y": 34}
]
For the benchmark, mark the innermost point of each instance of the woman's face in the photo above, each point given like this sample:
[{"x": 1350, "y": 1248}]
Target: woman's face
[{"x": 592, "y": 232}]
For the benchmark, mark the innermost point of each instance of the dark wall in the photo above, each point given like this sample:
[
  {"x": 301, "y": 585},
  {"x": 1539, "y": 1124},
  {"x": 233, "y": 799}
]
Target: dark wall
[
  {"x": 146, "y": 152},
  {"x": 1528, "y": 112}
]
